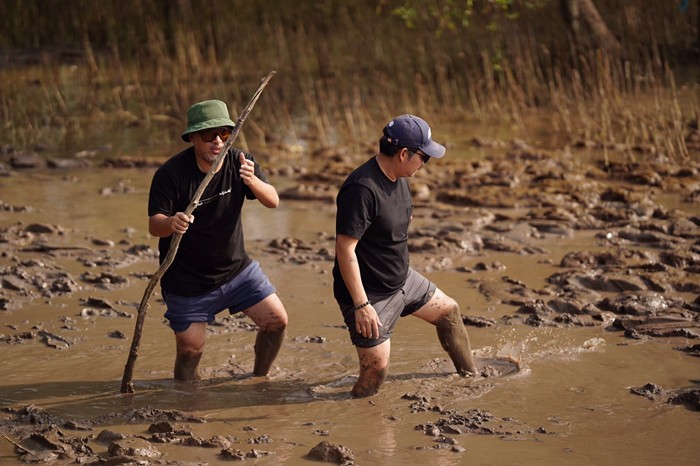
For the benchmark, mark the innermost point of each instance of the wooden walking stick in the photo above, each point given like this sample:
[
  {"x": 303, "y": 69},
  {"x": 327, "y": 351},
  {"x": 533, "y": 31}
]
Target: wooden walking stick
[{"x": 127, "y": 384}]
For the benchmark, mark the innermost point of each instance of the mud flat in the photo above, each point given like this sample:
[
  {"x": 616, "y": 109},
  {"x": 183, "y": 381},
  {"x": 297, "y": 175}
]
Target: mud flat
[{"x": 570, "y": 274}]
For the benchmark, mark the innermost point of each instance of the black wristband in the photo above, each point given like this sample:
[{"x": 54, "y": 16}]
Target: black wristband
[{"x": 360, "y": 306}]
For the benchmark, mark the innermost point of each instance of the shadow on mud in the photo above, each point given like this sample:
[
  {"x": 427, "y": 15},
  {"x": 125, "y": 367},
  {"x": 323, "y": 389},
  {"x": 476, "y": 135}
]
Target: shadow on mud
[{"x": 95, "y": 399}]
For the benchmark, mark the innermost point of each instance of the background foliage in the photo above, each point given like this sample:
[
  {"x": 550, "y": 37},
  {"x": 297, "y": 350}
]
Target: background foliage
[{"x": 341, "y": 65}]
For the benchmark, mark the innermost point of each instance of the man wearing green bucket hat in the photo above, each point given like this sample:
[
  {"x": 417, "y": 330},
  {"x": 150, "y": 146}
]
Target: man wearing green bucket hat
[{"x": 212, "y": 271}]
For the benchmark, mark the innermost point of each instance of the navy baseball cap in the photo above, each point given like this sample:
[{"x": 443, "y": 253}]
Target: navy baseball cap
[{"x": 413, "y": 132}]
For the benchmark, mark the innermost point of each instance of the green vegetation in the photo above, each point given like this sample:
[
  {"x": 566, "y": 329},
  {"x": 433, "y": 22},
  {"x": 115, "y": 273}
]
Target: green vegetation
[{"x": 71, "y": 67}]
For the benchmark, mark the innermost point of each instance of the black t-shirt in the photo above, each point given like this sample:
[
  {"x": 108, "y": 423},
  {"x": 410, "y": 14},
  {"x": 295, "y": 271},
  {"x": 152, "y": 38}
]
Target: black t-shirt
[
  {"x": 212, "y": 251},
  {"x": 377, "y": 211}
]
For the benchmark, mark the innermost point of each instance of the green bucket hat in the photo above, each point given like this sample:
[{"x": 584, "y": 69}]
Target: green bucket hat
[{"x": 204, "y": 115}]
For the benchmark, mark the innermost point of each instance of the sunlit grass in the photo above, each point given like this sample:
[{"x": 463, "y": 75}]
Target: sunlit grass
[{"x": 342, "y": 72}]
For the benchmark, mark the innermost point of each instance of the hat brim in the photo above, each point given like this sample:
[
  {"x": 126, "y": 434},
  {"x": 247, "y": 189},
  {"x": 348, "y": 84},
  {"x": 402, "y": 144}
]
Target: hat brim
[
  {"x": 433, "y": 149},
  {"x": 215, "y": 123}
]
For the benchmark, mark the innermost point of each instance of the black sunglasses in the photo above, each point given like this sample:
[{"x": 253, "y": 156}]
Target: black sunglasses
[
  {"x": 208, "y": 135},
  {"x": 423, "y": 157}
]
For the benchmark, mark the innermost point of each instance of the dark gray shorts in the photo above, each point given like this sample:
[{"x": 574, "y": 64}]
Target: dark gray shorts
[
  {"x": 416, "y": 292},
  {"x": 243, "y": 291}
]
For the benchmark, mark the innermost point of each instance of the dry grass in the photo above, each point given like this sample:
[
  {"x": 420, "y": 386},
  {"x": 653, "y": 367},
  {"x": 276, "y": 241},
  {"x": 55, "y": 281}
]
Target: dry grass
[{"x": 343, "y": 70}]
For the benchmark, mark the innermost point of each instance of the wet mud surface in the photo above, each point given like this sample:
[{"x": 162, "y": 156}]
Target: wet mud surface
[{"x": 540, "y": 241}]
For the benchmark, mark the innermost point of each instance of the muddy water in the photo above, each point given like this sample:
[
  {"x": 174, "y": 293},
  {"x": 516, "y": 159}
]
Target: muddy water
[{"x": 570, "y": 402}]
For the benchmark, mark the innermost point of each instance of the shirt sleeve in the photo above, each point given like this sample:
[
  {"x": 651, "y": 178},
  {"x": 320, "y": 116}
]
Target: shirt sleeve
[
  {"x": 162, "y": 195},
  {"x": 356, "y": 209}
]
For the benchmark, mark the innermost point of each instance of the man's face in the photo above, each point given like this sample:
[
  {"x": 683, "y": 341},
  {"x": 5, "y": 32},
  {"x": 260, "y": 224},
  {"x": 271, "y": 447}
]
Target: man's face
[
  {"x": 209, "y": 142},
  {"x": 413, "y": 161}
]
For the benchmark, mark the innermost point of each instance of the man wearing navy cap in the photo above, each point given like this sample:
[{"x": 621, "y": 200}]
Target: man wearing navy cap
[{"x": 372, "y": 280}]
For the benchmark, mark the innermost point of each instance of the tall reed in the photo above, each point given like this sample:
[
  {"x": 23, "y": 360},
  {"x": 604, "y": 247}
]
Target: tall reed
[{"x": 344, "y": 68}]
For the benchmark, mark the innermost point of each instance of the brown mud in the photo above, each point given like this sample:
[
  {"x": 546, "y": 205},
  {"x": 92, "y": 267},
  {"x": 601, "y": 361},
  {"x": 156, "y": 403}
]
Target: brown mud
[{"x": 578, "y": 280}]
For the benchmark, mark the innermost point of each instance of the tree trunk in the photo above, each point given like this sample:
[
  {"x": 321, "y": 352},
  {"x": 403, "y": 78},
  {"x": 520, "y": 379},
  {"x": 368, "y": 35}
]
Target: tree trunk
[{"x": 578, "y": 11}]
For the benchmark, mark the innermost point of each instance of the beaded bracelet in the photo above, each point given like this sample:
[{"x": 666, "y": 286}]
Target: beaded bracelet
[{"x": 360, "y": 306}]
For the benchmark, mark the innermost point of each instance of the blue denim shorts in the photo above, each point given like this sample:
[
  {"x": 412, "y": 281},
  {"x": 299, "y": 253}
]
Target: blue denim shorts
[
  {"x": 243, "y": 291},
  {"x": 414, "y": 294}
]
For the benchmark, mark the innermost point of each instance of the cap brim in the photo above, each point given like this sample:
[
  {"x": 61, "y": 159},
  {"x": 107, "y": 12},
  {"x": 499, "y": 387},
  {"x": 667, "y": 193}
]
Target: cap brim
[{"x": 433, "y": 149}]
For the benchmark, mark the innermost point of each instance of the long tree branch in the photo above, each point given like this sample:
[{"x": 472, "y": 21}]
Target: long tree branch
[{"x": 127, "y": 385}]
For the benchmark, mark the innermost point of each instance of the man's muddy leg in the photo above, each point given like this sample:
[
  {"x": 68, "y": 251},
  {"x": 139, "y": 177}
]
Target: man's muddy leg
[
  {"x": 271, "y": 318},
  {"x": 455, "y": 340},
  {"x": 190, "y": 347},
  {"x": 187, "y": 367},
  {"x": 373, "y": 369},
  {"x": 267, "y": 346},
  {"x": 443, "y": 312}
]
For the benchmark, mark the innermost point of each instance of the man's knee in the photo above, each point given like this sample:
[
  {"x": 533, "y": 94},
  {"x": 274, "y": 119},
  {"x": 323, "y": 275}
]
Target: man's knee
[
  {"x": 281, "y": 321},
  {"x": 190, "y": 352},
  {"x": 371, "y": 362},
  {"x": 190, "y": 343},
  {"x": 374, "y": 363},
  {"x": 277, "y": 320},
  {"x": 269, "y": 314},
  {"x": 450, "y": 317}
]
